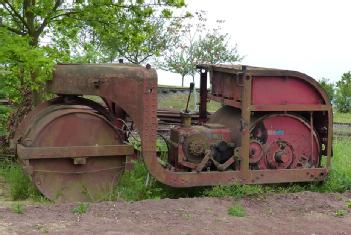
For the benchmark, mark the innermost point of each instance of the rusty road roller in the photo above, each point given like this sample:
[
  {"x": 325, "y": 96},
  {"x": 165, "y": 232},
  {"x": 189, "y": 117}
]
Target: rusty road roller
[{"x": 274, "y": 126}]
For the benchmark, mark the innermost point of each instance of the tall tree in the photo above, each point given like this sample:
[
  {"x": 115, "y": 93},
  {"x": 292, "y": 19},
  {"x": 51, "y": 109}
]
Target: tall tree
[
  {"x": 214, "y": 47},
  {"x": 343, "y": 93},
  {"x": 195, "y": 44},
  {"x": 329, "y": 87},
  {"x": 179, "y": 57},
  {"x": 31, "y": 22}
]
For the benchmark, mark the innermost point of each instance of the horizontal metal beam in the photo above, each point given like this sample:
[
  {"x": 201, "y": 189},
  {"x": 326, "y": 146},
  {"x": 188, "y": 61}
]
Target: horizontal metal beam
[
  {"x": 269, "y": 176},
  {"x": 73, "y": 151},
  {"x": 290, "y": 107}
]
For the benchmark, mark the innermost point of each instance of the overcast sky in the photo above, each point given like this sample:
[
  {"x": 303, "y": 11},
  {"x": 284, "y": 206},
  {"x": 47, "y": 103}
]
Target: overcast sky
[{"x": 310, "y": 36}]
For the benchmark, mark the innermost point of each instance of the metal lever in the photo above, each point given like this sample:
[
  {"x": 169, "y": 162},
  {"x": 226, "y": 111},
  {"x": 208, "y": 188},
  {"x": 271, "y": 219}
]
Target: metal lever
[{"x": 191, "y": 88}]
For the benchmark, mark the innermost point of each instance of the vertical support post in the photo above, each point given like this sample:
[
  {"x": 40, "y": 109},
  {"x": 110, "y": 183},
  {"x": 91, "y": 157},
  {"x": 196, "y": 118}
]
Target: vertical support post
[
  {"x": 245, "y": 125},
  {"x": 203, "y": 96},
  {"x": 330, "y": 137},
  {"x": 311, "y": 125}
]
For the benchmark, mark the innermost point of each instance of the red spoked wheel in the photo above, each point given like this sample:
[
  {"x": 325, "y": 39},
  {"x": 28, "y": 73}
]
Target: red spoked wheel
[{"x": 288, "y": 142}]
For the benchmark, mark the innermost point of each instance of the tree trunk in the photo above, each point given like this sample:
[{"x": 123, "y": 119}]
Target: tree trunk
[{"x": 182, "y": 81}]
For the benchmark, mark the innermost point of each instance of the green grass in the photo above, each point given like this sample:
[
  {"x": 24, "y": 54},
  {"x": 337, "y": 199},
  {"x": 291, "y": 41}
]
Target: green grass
[
  {"x": 237, "y": 210},
  {"x": 235, "y": 190},
  {"x": 81, "y": 208},
  {"x": 339, "y": 179},
  {"x": 137, "y": 184},
  {"x": 178, "y": 102},
  {"x": 21, "y": 187},
  {"x": 17, "y": 207},
  {"x": 342, "y": 117},
  {"x": 133, "y": 187}
]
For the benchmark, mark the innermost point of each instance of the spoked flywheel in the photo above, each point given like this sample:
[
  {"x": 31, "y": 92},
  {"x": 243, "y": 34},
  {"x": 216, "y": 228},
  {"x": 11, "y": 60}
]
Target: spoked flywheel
[{"x": 71, "y": 152}]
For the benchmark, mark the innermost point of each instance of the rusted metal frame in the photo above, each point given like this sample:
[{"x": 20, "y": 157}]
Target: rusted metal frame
[
  {"x": 206, "y": 178},
  {"x": 274, "y": 72},
  {"x": 225, "y": 101},
  {"x": 73, "y": 151},
  {"x": 287, "y": 175},
  {"x": 204, "y": 161},
  {"x": 290, "y": 107},
  {"x": 182, "y": 158},
  {"x": 203, "y": 96},
  {"x": 147, "y": 123},
  {"x": 311, "y": 133},
  {"x": 245, "y": 123},
  {"x": 225, "y": 165},
  {"x": 330, "y": 137}
]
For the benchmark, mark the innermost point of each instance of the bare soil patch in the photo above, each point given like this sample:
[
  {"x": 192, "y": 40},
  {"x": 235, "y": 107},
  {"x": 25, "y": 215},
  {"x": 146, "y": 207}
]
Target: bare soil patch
[{"x": 294, "y": 213}]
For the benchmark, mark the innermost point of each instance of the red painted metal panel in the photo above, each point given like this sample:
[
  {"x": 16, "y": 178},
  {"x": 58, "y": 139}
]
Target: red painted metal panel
[{"x": 283, "y": 90}]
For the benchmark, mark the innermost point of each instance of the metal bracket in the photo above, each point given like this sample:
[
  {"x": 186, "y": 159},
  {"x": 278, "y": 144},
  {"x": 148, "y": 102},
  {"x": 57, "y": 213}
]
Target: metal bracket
[{"x": 73, "y": 151}]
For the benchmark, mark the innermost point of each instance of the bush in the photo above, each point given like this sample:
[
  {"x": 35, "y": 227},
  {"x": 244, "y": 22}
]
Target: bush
[
  {"x": 4, "y": 114},
  {"x": 343, "y": 103},
  {"x": 343, "y": 93}
]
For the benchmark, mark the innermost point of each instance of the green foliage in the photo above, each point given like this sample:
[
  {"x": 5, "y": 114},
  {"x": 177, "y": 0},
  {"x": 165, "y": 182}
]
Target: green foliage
[
  {"x": 348, "y": 203},
  {"x": 193, "y": 43},
  {"x": 329, "y": 88},
  {"x": 215, "y": 48},
  {"x": 132, "y": 185},
  {"x": 148, "y": 37},
  {"x": 340, "y": 213},
  {"x": 81, "y": 208},
  {"x": 21, "y": 187},
  {"x": 17, "y": 207},
  {"x": 343, "y": 93},
  {"x": 342, "y": 117},
  {"x": 339, "y": 179},
  {"x": 235, "y": 190},
  {"x": 36, "y": 34},
  {"x": 237, "y": 210},
  {"x": 20, "y": 62},
  {"x": 137, "y": 184},
  {"x": 4, "y": 114}
]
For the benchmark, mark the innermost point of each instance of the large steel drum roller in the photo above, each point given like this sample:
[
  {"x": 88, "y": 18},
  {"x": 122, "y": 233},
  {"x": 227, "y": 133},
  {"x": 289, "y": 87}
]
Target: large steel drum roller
[{"x": 71, "y": 151}]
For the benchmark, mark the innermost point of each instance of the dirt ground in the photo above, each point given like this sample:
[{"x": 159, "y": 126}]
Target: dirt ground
[{"x": 296, "y": 213}]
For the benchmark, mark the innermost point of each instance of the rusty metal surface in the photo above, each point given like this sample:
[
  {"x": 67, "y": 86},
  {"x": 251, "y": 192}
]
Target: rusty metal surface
[
  {"x": 73, "y": 151},
  {"x": 203, "y": 96},
  {"x": 134, "y": 90},
  {"x": 58, "y": 129}
]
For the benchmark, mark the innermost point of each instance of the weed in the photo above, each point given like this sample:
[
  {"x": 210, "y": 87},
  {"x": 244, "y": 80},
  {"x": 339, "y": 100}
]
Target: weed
[
  {"x": 81, "y": 208},
  {"x": 348, "y": 203},
  {"x": 187, "y": 216},
  {"x": 17, "y": 208},
  {"x": 21, "y": 187},
  {"x": 339, "y": 179},
  {"x": 235, "y": 190},
  {"x": 132, "y": 186},
  {"x": 41, "y": 228},
  {"x": 340, "y": 213},
  {"x": 237, "y": 210}
]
